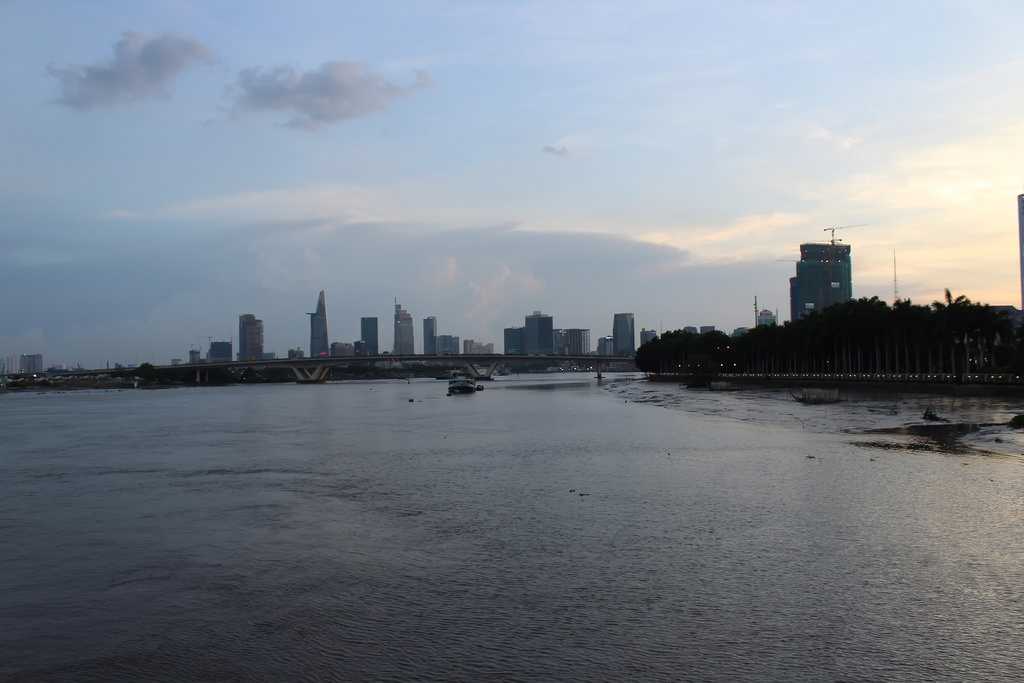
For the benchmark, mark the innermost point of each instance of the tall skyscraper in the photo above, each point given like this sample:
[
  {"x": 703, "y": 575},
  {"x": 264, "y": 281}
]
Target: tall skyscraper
[
  {"x": 31, "y": 362},
  {"x": 447, "y": 345},
  {"x": 430, "y": 336},
  {"x": 318, "y": 345},
  {"x": 250, "y": 337},
  {"x": 404, "y": 337},
  {"x": 606, "y": 346},
  {"x": 575, "y": 342},
  {"x": 368, "y": 335},
  {"x": 647, "y": 336},
  {"x": 539, "y": 333},
  {"x": 514, "y": 341},
  {"x": 623, "y": 334},
  {"x": 1020, "y": 227},
  {"x": 824, "y": 276}
]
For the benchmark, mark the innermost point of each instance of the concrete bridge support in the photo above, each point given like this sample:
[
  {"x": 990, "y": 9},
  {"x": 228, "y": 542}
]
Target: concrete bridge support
[
  {"x": 488, "y": 372},
  {"x": 315, "y": 375}
]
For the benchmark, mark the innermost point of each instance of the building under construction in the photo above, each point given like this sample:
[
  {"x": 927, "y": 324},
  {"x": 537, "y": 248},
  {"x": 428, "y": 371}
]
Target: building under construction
[{"x": 824, "y": 276}]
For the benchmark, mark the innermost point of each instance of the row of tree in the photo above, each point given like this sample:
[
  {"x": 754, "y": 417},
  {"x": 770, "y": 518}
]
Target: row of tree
[{"x": 955, "y": 336}]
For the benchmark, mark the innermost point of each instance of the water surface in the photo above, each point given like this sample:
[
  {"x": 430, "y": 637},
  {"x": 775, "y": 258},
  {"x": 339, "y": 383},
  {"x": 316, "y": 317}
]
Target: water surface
[{"x": 341, "y": 532}]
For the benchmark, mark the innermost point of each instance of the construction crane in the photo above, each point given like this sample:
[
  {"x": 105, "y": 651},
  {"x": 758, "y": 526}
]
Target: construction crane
[{"x": 833, "y": 229}]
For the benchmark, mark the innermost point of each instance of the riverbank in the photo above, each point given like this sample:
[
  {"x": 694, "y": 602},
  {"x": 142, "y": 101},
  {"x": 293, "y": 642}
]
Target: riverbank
[{"x": 881, "y": 386}]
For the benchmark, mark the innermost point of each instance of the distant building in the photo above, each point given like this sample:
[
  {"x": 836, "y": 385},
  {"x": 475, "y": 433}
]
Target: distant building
[
  {"x": 606, "y": 346},
  {"x": 368, "y": 335},
  {"x": 471, "y": 346},
  {"x": 343, "y": 349},
  {"x": 824, "y": 276},
  {"x": 318, "y": 346},
  {"x": 766, "y": 318},
  {"x": 296, "y": 353},
  {"x": 691, "y": 329},
  {"x": 430, "y": 336},
  {"x": 538, "y": 335},
  {"x": 358, "y": 348},
  {"x": 250, "y": 337},
  {"x": 404, "y": 341},
  {"x": 1020, "y": 237},
  {"x": 268, "y": 355},
  {"x": 194, "y": 356},
  {"x": 647, "y": 336},
  {"x": 704, "y": 329},
  {"x": 514, "y": 341},
  {"x": 219, "y": 352},
  {"x": 624, "y": 334},
  {"x": 31, "y": 362},
  {"x": 573, "y": 341},
  {"x": 740, "y": 331},
  {"x": 175, "y": 361},
  {"x": 447, "y": 345}
]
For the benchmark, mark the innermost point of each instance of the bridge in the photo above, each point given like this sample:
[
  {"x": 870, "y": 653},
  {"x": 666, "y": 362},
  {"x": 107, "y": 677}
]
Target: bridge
[{"x": 318, "y": 370}]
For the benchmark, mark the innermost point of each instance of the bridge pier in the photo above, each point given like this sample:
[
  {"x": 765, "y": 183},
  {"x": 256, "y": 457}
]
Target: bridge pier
[{"x": 317, "y": 375}]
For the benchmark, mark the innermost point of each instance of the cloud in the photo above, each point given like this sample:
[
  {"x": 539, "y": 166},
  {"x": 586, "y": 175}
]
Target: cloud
[
  {"x": 556, "y": 150},
  {"x": 334, "y": 92},
  {"x": 843, "y": 143},
  {"x": 142, "y": 67}
]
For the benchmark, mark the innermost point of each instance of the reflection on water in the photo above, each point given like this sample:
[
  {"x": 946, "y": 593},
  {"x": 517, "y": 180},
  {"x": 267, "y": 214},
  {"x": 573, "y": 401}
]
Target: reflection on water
[{"x": 342, "y": 532}]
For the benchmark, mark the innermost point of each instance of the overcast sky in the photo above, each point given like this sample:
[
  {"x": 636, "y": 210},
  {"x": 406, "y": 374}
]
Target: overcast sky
[{"x": 165, "y": 166}]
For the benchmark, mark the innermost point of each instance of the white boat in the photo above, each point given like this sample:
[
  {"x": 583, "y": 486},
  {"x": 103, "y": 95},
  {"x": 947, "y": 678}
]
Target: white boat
[{"x": 461, "y": 383}]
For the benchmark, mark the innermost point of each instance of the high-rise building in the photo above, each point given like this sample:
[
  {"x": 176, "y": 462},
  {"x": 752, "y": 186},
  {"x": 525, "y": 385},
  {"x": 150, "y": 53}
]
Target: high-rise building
[
  {"x": 766, "y": 318},
  {"x": 606, "y": 346},
  {"x": 824, "y": 276},
  {"x": 739, "y": 331},
  {"x": 471, "y": 346},
  {"x": 572, "y": 341},
  {"x": 368, "y": 335},
  {"x": 624, "y": 334},
  {"x": 1020, "y": 227},
  {"x": 539, "y": 333},
  {"x": 705, "y": 329},
  {"x": 297, "y": 352},
  {"x": 514, "y": 341},
  {"x": 429, "y": 336},
  {"x": 404, "y": 344},
  {"x": 31, "y": 362},
  {"x": 194, "y": 356},
  {"x": 358, "y": 348},
  {"x": 342, "y": 349},
  {"x": 250, "y": 337},
  {"x": 318, "y": 345},
  {"x": 219, "y": 351},
  {"x": 447, "y": 345},
  {"x": 647, "y": 336},
  {"x": 691, "y": 329}
]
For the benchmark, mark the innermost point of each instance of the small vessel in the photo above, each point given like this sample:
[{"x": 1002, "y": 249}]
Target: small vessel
[
  {"x": 460, "y": 383},
  {"x": 816, "y": 396}
]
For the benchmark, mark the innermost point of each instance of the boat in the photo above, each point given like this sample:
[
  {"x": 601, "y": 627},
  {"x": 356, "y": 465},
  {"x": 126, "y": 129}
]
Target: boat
[
  {"x": 461, "y": 383},
  {"x": 816, "y": 396}
]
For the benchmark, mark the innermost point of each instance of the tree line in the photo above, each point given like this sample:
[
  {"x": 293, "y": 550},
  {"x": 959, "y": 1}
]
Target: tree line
[{"x": 862, "y": 336}]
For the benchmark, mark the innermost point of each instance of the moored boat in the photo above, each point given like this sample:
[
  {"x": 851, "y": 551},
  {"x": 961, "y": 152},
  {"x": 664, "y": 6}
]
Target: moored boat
[{"x": 461, "y": 383}]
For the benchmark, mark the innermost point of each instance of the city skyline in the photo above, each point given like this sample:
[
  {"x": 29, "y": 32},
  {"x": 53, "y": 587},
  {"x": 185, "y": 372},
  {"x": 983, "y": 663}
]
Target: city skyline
[{"x": 633, "y": 175}]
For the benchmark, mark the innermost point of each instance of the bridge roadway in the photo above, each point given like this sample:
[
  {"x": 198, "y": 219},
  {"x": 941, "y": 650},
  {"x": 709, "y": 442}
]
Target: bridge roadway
[{"x": 318, "y": 369}]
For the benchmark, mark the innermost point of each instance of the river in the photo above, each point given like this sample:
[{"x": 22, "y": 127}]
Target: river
[{"x": 549, "y": 527}]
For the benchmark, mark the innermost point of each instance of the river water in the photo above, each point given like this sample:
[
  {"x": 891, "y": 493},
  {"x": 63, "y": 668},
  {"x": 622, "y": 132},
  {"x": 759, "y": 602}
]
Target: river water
[{"x": 342, "y": 532}]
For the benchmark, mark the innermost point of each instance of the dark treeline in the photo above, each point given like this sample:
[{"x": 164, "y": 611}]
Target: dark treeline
[{"x": 955, "y": 336}]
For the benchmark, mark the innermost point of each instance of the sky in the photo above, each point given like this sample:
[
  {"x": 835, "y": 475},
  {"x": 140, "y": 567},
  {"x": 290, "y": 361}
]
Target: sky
[{"x": 168, "y": 165}]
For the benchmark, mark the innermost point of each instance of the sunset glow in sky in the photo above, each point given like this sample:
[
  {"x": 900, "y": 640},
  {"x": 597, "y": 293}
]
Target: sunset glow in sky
[{"x": 168, "y": 165}]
